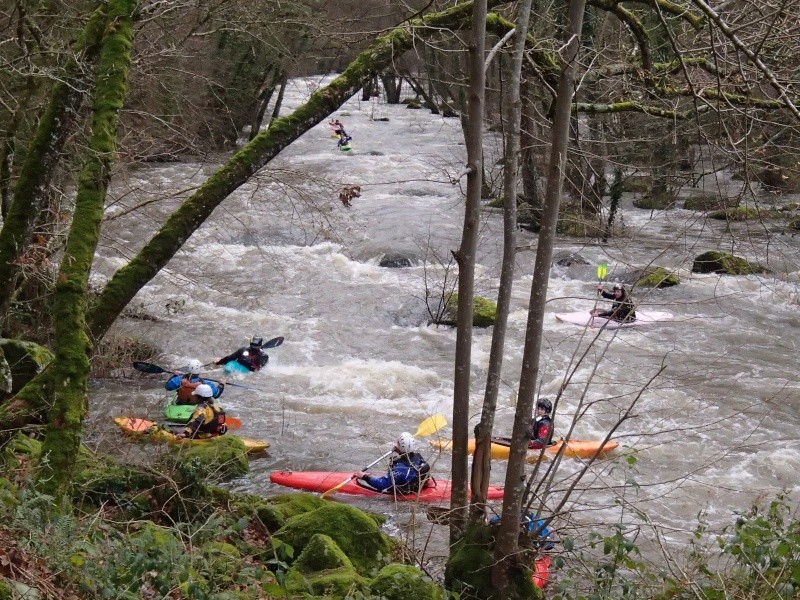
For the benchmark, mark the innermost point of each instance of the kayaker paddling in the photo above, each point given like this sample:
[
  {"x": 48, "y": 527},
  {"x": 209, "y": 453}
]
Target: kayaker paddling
[
  {"x": 252, "y": 357},
  {"x": 186, "y": 383},
  {"x": 408, "y": 471},
  {"x": 208, "y": 419},
  {"x": 622, "y": 307}
]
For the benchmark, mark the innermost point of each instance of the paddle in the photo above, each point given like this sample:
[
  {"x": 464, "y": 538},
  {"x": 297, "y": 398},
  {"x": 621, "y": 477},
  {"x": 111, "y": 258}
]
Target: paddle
[
  {"x": 602, "y": 269},
  {"x": 428, "y": 427},
  {"x": 146, "y": 367},
  {"x": 230, "y": 423}
]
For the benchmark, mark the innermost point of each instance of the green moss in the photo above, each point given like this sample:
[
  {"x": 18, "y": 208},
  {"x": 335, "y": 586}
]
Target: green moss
[
  {"x": 575, "y": 224},
  {"x": 400, "y": 582},
  {"x": 26, "y": 359},
  {"x": 658, "y": 278},
  {"x": 354, "y": 531},
  {"x": 321, "y": 554},
  {"x": 740, "y": 213},
  {"x": 707, "y": 202},
  {"x": 469, "y": 566},
  {"x": 222, "y": 563},
  {"x": 484, "y": 312},
  {"x": 636, "y": 183},
  {"x": 723, "y": 262},
  {"x": 6, "y": 591},
  {"x": 332, "y": 584},
  {"x": 223, "y": 458},
  {"x": 656, "y": 201},
  {"x": 498, "y": 202},
  {"x": 276, "y": 510}
]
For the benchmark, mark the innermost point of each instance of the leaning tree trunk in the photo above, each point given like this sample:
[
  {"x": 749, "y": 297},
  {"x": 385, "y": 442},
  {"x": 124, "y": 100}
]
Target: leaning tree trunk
[
  {"x": 42, "y": 157},
  {"x": 482, "y": 459},
  {"x": 70, "y": 368},
  {"x": 465, "y": 257},
  {"x": 127, "y": 281},
  {"x": 507, "y": 547}
]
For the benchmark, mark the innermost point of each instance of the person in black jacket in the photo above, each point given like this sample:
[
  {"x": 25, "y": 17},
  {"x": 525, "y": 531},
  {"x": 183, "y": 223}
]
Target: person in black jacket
[
  {"x": 252, "y": 357},
  {"x": 621, "y": 309},
  {"x": 541, "y": 430}
]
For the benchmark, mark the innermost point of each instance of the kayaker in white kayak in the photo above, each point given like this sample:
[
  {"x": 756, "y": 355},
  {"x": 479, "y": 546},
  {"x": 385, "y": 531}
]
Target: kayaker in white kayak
[
  {"x": 208, "y": 419},
  {"x": 541, "y": 430},
  {"x": 408, "y": 471},
  {"x": 621, "y": 309},
  {"x": 252, "y": 357},
  {"x": 186, "y": 383}
]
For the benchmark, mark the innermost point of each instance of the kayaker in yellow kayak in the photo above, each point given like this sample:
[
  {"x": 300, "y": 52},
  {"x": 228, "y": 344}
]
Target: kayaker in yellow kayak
[
  {"x": 187, "y": 383},
  {"x": 621, "y": 309},
  {"x": 408, "y": 471},
  {"x": 208, "y": 419},
  {"x": 541, "y": 429}
]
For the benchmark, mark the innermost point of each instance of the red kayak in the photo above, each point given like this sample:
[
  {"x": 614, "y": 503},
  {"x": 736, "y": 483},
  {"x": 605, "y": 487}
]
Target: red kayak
[
  {"x": 322, "y": 481},
  {"x": 541, "y": 571}
]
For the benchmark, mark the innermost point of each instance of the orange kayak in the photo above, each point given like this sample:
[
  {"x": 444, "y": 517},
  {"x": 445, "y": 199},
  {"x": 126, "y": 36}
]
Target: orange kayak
[
  {"x": 575, "y": 448},
  {"x": 151, "y": 432}
]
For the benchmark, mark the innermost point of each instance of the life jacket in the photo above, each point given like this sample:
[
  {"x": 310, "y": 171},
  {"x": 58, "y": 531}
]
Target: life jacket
[
  {"x": 213, "y": 420},
  {"x": 186, "y": 390},
  {"x": 537, "y": 427},
  {"x": 422, "y": 469},
  {"x": 250, "y": 358}
]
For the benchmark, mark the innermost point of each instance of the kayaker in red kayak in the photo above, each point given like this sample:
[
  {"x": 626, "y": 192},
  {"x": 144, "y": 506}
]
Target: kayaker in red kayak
[
  {"x": 408, "y": 471},
  {"x": 541, "y": 429},
  {"x": 252, "y": 356},
  {"x": 621, "y": 309},
  {"x": 208, "y": 419},
  {"x": 187, "y": 383}
]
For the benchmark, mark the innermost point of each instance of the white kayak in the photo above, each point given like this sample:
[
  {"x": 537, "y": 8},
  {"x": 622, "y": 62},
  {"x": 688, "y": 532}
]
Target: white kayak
[{"x": 582, "y": 318}]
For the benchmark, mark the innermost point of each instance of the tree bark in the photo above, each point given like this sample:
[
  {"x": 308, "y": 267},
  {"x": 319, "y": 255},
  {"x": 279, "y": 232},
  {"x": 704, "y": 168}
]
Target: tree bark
[
  {"x": 465, "y": 257},
  {"x": 482, "y": 459},
  {"x": 70, "y": 368},
  {"x": 507, "y": 547},
  {"x": 29, "y": 196}
]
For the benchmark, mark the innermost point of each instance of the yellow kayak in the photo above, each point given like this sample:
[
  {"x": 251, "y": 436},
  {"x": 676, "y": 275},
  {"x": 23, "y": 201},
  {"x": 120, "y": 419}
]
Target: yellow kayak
[
  {"x": 501, "y": 448},
  {"x": 152, "y": 432}
]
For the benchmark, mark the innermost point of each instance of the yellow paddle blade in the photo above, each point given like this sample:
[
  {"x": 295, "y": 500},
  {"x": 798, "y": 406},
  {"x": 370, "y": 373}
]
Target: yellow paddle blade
[
  {"x": 602, "y": 269},
  {"x": 430, "y": 425}
]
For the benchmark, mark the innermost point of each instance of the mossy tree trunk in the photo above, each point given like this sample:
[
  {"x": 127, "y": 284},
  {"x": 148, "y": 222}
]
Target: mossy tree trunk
[
  {"x": 30, "y": 191},
  {"x": 506, "y": 552},
  {"x": 70, "y": 369},
  {"x": 482, "y": 459},
  {"x": 465, "y": 257}
]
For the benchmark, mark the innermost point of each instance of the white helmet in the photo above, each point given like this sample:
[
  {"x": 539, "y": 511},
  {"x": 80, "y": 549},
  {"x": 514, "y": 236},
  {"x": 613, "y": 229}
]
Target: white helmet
[
  {"x": 406, "y": 443},
  {"x": 195, "y": 366},
  {"x": 204, "y": 391}
]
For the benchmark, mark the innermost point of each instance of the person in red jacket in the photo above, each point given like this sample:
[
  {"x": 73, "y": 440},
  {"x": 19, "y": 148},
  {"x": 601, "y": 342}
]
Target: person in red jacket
[{"x": 541, "y": 430}]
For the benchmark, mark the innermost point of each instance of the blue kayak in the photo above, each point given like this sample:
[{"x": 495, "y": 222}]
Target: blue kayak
[{"x": 235, "y": 367}]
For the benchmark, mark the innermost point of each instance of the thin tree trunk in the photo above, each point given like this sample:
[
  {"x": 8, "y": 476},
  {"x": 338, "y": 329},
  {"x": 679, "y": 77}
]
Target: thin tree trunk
[
  {"x": 35, "y": 175},
  {"x": 465, "y": 257},
  {"x": 507, "y": 547},
  {"x": 279, "y": 100},
  {"x": 70, "y": 368},
  {"x": 482, "y": 459}
]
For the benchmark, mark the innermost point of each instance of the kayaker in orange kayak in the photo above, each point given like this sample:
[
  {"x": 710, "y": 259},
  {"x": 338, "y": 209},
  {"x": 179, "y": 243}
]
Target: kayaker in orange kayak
[
  {"x": 208, "y": 419},
  {"x": 408, "y": 471},
  {"x": 541, "y": 429}
]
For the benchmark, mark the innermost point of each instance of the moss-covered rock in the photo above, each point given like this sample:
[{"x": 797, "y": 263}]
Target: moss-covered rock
[
  {"x": 484, "y": 312},
  {"x": 325, "y": 569},
  {"x": 26, "y": 361},
  {"x": 355, "y": 532},
  {"x": 275, "y": 511},
  {"x": 221, "y": 459},
  {"x": 708, "y": 202},
  {"x": 723, "y": 262},
  {"x": 657, "y": 201},
  {"x": 222, "y": 563},
  {"x": 657, "y": 277},
  {"x": 469, "y": 567},
  {"x": 740, "y": 213},
  {"x": 400, "y": 582},
  {"x": 636, "y": 183},
  {"x": 573, "y": 223}
]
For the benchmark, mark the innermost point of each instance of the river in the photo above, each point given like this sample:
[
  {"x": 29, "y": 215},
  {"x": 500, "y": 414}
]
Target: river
[{"x": 360, "y": 363}]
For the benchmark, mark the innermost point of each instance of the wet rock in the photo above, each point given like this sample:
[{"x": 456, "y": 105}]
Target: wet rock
[
  {"x": 484, "y": 312},
  {"x": 657, "y": 277},
  {"x": 395, "y": 260},
  {"x": 723, "y": 262},
  {"x": 569, "y": 259},
  {"x": 707, "y": 202}
]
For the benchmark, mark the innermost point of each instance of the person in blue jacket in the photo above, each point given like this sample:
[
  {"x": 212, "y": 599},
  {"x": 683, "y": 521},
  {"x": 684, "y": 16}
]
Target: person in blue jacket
[
  {"x": 186, "y": 384},
  {"x": 408, "y": 471}
]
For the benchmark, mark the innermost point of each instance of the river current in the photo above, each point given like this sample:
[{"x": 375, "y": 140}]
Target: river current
[{"x": 360, "y": 363}]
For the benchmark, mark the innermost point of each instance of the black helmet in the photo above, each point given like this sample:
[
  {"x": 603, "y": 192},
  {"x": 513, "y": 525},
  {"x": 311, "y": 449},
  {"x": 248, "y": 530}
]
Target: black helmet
[
  {"x": 545, "y": 404},
  {"x": 256, "y": 341}
]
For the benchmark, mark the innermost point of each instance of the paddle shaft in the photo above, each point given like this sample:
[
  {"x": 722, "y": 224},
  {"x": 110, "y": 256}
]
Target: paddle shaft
[
  {"x": 146, "y": 367},
  {"x": 353, "y": 476}
]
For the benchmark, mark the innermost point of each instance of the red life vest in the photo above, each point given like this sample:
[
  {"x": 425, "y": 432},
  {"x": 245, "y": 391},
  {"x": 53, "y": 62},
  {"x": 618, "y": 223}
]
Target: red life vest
[{"x": 186, "y": 390}]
